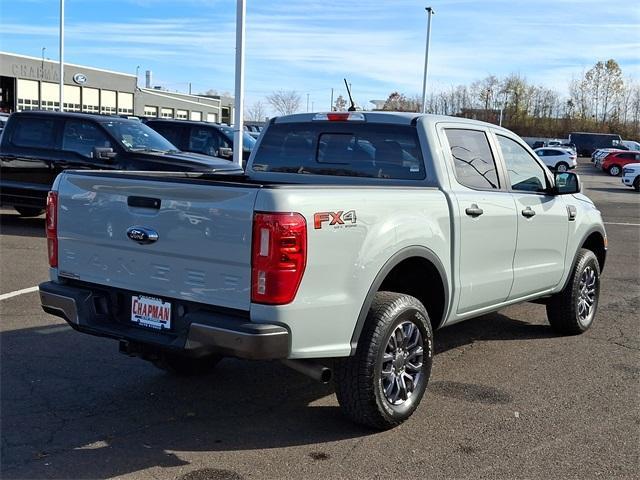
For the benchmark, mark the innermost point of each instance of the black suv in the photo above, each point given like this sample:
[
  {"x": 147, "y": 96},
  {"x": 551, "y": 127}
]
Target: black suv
[
  {"x": 200, "y": 137},
  {"x": 37, "y": 145}
]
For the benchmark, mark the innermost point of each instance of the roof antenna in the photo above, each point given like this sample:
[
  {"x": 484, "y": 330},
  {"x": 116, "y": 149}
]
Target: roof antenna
[{"x": 352, "y": 108}]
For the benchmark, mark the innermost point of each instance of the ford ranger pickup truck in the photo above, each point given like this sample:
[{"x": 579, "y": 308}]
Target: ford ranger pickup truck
[{"x": 348, "y": 240}]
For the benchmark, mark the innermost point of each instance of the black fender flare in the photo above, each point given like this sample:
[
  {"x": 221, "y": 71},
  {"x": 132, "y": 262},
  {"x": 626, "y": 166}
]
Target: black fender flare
[
  {"x": 589, "y": 232},
  {"x": 396, "y": 259}
]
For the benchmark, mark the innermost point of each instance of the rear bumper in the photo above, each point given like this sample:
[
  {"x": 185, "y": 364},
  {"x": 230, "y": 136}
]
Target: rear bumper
[{"x": 198, "y": 331}]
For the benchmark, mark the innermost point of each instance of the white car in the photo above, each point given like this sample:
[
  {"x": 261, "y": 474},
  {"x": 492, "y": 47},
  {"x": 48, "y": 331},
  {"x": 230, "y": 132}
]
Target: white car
[
  {"x": 557, "y": 159},
  {"x": 631, "y": 145},
  {"x": 631, "y": 176}
]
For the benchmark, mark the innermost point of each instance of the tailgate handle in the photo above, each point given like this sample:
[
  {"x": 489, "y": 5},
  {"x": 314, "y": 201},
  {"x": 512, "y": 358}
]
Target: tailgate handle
[{"x": 144, "y": 202}]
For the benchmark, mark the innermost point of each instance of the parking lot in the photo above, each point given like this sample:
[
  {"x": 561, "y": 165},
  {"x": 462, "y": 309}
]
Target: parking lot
[{"x": 508, "y": 398}]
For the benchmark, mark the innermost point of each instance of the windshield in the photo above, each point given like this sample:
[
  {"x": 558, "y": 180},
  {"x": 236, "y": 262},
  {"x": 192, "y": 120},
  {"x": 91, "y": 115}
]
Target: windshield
[
  {"x": 137, "y": 137},
  {"x": 247, "y": 140}
]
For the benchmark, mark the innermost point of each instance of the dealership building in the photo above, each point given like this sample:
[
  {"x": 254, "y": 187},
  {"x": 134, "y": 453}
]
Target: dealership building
[{"x": 31, "y": 83}]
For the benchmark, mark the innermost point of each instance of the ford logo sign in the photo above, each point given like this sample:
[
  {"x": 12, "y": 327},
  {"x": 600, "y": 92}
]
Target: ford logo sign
[
  {"x": 80, "y": 78},
  {"x": 142, "y": 235}
]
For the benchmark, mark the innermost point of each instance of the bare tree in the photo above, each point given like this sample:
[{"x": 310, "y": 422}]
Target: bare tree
[
  {"x": 340, "y": 104},
  {"x": 256, "y": 112},
  {"x": 285, "y": 102}
]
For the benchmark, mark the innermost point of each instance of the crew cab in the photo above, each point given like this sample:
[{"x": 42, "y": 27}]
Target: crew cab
[
  {"x": 37, "y": 145},
  {"x": 349, "y": 239},
  {"x": 202, "y": 137}
]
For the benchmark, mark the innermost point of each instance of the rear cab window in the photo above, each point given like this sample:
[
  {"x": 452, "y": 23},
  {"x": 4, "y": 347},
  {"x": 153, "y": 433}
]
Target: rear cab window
[
  {"x": 351, "y": 149},
  {"x": 34, "y": 132}
]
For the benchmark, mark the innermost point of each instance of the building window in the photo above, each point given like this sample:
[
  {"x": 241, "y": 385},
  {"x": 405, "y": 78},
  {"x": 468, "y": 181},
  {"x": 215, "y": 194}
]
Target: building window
[
  {"x": 150, "y": 111},
  {"x": 166, "y": 112},
  {"x": 181, "y": 114}
]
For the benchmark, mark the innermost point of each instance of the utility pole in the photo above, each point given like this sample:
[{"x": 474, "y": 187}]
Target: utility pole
[
  {"x": 430, "y": 13},
  {"x": 137, "y": 70},
  {"x": 331, "y": 106},
  {"x": 307, "y": 103},
  {"x": 241, "y": 10},
  {"x": 61, "y": 56}
]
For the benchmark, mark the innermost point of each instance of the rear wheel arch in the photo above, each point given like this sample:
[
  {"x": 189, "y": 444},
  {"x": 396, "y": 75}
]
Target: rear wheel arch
[{"x": 396, "y": 276}]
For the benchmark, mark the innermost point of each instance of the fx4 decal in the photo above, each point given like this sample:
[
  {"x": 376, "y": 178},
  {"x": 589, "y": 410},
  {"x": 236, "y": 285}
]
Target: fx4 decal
[{"x": 335, "y": 219}]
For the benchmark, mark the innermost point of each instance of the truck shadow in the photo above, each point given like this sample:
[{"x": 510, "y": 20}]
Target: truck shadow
[
  {"x": 13, "y": 224},
  {"x": 72, "y": 407}
]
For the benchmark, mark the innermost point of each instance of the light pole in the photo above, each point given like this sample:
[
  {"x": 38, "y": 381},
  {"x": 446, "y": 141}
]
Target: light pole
[
  {"x": 241, "y": 10},
  {"x": 137, "y": 71},
  {"x": 307, "y": 103},
  {"x": 430, "y": 13},
  {"x": 61, "y": 56}
]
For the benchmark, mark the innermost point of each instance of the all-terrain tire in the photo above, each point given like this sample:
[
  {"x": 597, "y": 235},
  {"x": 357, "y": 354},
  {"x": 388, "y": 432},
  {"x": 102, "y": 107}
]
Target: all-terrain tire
[
  {"x": 29, "y": 211},
  {"x": 563, "y": 309},
  {"x": 184, "y": 366},
  {"x": 358, "y": 379}
]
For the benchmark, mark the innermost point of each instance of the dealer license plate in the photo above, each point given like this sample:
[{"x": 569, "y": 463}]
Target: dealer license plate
[{"x": 151, "y": 312}]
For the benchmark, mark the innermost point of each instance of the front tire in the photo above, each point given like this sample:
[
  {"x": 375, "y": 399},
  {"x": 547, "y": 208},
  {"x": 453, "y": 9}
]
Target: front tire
[
  {"x": 573, "y": 310},
  {"x": 383, "y": 383},
  {"x": 29, "y": 211},
  {"x": 636, "y": 184}
]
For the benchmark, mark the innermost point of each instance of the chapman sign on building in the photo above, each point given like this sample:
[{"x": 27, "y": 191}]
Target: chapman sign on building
[{"x": 31, "y": 83}]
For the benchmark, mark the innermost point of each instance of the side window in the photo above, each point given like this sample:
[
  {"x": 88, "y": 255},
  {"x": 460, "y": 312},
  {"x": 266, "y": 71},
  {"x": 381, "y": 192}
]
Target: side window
[
  {"x": 81, "y": 137},
  {"x": 169, "y": 132},
  {"x": 473, "y": 161},
  {"x": 34, "y": 132},
  {"x": 525, "y": 174},
  {"x": 207, "y": 141}
]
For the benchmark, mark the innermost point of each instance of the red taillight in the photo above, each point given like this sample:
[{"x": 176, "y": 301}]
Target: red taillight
[
  {"x": 52, "y": 228},
  {"x": 279, "y": 256}
]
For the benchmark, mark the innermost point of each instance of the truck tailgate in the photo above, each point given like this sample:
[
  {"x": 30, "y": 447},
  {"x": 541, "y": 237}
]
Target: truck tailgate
[{"x": 203, "y": 250}]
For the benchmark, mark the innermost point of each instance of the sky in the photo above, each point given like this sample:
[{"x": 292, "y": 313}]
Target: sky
[{"x": 310, "y": 46}]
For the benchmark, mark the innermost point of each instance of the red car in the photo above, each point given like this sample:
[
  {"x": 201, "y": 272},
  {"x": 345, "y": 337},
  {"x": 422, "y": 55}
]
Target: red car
[{"x": 614, "y": 162}]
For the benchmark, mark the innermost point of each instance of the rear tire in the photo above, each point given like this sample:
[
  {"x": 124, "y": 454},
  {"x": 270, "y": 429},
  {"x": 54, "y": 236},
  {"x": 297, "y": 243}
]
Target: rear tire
[
  {"x": 573, "y": 310},
  {"x": 614, "y": 170},
  {"x": 383, "y": 383},
  {"x": 562, "y": 167},
  {"x": 29, "y": 211},
  {"x": 184, "y": 366}
]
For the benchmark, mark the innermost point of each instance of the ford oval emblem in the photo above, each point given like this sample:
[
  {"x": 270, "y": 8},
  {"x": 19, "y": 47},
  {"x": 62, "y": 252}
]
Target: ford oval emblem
[
  {"x": 142, "y": 235},
  {"x": 80, "y": 78}
]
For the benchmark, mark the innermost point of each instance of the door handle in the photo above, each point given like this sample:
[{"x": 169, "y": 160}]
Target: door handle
[
  {"x": 474, "y": 210},
  {"x": 528, "y": 212}
]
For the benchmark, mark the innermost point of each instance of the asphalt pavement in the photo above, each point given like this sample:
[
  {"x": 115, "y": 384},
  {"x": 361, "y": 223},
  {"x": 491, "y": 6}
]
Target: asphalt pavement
[{"x": 508, "y": 398}]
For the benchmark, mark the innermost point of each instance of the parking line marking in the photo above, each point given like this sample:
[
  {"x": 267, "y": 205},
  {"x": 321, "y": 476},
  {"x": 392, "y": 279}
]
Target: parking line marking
[
  {"x": 4, "y": 296},
  {"x": 620, "y": 223}
]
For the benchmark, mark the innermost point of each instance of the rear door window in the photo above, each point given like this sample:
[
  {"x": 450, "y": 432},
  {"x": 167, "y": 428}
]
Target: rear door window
[
  {"x": 170, "y": 132},
  {"x": 342, "y": 149},
  {"x": 34, "y": 132},
  {"x": 473, "y": 161}
]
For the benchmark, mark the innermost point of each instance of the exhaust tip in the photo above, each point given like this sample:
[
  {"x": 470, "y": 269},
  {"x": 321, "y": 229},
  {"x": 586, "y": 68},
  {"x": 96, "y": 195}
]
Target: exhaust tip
[{"x": 325, "y": 375}]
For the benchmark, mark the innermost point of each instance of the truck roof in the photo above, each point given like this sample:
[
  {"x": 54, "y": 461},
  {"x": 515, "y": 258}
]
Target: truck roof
[
  {"x": 77, "y": 115},
  {"x": 398, "y": 118}
]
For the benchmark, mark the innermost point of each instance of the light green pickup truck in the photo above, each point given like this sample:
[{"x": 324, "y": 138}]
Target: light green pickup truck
[{"x": 349, "y": 238}]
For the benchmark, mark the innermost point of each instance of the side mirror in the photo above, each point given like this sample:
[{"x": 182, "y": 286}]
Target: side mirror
[
  {"x": 566, "y": 183},
  {"x": 225, "y": 152},
  {"x": 104, "y": 153}
]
